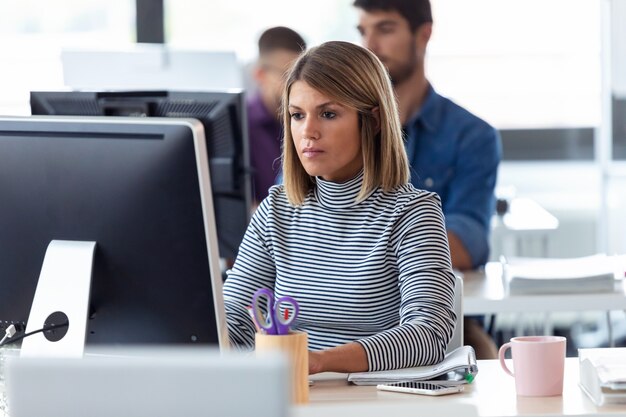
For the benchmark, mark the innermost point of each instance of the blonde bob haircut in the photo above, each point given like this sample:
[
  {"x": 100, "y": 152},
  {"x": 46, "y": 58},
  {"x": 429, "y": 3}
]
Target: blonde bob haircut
[{"x": 353, "y": 77}]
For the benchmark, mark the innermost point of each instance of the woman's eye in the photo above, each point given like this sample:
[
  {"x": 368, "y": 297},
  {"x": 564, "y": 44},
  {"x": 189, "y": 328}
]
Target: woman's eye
[
  {"x": 328, "y": 115},
  {"x": 296, "y": 116}
]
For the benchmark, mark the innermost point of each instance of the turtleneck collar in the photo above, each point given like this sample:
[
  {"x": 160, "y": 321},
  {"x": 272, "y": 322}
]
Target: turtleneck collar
[{"x": 335, "y": 195}]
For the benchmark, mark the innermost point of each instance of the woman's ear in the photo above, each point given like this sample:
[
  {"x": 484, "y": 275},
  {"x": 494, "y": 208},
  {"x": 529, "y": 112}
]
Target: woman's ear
[{"x": 376, "y": 115}]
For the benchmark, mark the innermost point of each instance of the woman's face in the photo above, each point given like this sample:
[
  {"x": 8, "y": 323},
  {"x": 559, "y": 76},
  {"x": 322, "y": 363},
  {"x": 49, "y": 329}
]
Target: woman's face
[{"x": 325, "y": 134}]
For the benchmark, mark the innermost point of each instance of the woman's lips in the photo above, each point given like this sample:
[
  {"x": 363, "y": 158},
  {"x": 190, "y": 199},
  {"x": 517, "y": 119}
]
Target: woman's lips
[{"x": 311, "y": 152}]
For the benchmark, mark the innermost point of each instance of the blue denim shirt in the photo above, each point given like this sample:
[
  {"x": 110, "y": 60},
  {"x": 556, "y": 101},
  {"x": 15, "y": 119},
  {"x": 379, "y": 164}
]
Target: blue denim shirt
[{"x": 456, "y": 154}]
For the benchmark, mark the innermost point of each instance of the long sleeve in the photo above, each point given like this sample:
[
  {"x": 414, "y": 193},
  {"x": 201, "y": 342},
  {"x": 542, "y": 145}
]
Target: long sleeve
[
  {"x": 456, "y": 154},
  {"x": 253, "y": 269},
  {"x": 426, "y": 285},
  {"x": 470, "y": 200}
]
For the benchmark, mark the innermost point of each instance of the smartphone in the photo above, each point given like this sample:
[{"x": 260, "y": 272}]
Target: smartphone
[{"x": 423, "y": 388}]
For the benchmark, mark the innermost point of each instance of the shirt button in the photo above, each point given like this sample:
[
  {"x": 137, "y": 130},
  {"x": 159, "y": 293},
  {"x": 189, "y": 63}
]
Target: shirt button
[{"x": 428, "y": 182}]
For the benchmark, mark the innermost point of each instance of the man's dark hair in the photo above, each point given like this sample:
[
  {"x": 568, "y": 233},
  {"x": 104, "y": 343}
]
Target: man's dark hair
[
  {"x": 416, "y": 12},
  {"x": 281, "y": 37}
]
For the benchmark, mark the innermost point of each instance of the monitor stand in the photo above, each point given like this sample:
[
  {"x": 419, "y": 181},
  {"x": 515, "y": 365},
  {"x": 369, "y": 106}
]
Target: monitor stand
[{"x": 62, "y": 296}]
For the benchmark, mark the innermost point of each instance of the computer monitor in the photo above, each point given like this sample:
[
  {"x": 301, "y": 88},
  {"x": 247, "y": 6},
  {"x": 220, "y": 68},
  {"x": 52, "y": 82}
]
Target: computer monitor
[
  {"x": 139, "y": 189},
  {"x": 223, "y": 117},
  {"x": 189, "y": 382}
]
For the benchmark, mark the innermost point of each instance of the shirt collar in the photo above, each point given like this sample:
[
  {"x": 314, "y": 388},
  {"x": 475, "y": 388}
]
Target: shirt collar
[
  {"x": 429, "y": 115},
  {"x": 338, "y": 195}
]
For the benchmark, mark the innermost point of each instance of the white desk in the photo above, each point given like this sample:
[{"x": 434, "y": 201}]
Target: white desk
[
  {"x": 527, "y": 216},
  {"x": 492, "y": 394},
  {"x": 525, "y": 220},
  {"x": 483, "y": 293}
]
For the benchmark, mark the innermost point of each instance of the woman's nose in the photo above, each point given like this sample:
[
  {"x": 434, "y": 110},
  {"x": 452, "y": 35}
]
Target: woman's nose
[{"x": 310, "y": 129}]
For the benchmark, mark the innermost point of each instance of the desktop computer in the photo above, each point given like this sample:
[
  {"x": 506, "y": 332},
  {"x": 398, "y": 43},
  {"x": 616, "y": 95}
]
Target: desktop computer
[{"x": 139, "y": 190}]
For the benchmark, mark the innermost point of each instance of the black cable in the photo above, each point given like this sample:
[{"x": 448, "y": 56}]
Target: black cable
[{"x": 43, "y": 329}]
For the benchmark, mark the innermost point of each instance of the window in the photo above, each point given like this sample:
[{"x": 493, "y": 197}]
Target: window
[
  {"x": 520, "y": 63},
  {"x": 237, "y": 24},
  {"x": 32, "y": 35},
  {"x": 516, "y": 63}
]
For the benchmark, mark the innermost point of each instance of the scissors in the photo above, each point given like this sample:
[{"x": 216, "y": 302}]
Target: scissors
[{"x": 273, "y": 323}]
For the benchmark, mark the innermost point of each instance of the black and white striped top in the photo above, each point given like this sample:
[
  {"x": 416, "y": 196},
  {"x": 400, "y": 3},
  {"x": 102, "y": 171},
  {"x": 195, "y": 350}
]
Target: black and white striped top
[{"x": 376, "y": 272}]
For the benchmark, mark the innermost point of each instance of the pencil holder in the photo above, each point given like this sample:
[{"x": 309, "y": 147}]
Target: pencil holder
[{"x": 295, "y": 345}]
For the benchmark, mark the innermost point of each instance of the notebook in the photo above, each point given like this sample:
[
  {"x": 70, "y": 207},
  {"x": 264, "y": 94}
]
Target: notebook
[
  {"x": 603, "y": 374},
  {"x": 155, "y": 383},
  {"x": 458, "y": 367},
  {"x": 587, "y": 274}
]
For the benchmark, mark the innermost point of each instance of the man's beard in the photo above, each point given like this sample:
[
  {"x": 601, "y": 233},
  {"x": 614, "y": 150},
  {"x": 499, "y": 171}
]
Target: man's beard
[{"x": 406, "y": 69}]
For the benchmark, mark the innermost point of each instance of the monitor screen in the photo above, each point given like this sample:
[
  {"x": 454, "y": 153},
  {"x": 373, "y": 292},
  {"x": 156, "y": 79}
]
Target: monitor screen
[
  {"x": 140, "y": 189},
  {"x": 223, "y": 118}
]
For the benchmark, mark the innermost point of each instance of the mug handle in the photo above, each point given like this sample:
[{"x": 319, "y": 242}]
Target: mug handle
[{"x": 501, "y": 353}]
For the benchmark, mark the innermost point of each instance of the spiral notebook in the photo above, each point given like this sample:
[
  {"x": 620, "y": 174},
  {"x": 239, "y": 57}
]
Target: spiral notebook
[{"x": 458, "y": 367}]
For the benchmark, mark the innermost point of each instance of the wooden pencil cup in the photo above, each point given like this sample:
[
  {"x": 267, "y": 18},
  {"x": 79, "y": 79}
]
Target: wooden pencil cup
[{"x": 295, "y": 344}]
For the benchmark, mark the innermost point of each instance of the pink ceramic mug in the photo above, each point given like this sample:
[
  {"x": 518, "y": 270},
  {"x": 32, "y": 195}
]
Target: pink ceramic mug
[{"x": 538, "y": 363}]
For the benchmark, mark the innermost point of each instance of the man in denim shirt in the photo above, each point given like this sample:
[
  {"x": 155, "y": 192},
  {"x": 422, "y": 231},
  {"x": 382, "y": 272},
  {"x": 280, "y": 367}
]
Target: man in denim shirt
[{"x": 451, "y": 151}]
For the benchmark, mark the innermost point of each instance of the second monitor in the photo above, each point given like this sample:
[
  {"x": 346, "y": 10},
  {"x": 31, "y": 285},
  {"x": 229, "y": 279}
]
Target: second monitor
[{"x": 221, "y": 113}]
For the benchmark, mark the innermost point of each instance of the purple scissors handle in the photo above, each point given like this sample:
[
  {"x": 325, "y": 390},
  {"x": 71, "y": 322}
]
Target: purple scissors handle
[
  {"x": 264, "y": 321},
  {"x": 283, "y": 325},
  {"x": 273, "y": 322}
]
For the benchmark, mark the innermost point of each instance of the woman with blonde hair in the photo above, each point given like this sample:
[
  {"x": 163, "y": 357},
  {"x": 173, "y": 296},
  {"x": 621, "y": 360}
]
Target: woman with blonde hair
[{"x": 363, "y": 252}]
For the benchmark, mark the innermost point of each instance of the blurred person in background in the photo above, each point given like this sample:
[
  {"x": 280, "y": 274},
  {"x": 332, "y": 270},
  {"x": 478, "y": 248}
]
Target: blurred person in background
[{"x": 278, "y": 49}]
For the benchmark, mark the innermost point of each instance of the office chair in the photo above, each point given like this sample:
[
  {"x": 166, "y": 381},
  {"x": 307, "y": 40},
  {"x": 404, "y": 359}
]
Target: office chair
[{"x": 457, "y": 336}]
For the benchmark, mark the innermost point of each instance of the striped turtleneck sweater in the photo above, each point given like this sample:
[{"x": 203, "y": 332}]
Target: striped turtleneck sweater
[{"x": 376, "y": 272}]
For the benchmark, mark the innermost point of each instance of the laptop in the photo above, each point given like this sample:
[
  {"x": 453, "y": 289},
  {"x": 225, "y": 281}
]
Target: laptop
[{"x": 155, "y": 383}]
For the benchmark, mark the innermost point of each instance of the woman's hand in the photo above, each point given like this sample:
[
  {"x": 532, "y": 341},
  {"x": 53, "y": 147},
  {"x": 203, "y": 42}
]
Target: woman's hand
[
  {"x": 315, "y": 362},
  {"x": 345, "y": 358}
]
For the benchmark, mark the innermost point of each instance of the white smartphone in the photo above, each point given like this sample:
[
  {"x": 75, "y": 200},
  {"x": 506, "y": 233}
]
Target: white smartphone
[{"x": 423, "y": 388}]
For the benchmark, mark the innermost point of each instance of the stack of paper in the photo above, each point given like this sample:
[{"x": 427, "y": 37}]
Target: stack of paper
[
  {"x": 587, "y": 274},
  {"x": 458, "y": 367},
  {"x": 603, "y": 374}
]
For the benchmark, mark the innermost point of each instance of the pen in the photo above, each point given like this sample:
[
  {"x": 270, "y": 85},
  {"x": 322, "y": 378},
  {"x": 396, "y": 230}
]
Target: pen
[{"x": 469, "y": 377}]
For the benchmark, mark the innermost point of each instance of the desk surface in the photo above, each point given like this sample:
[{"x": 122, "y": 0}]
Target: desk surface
[
  {"x": 483, "y": 293},
  {"x": 492, "y": 394},
  {"x": 525, "y": 215}
]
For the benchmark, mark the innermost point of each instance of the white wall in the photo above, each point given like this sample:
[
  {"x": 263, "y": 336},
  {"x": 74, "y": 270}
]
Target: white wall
[
  {"x": 616, "y": 186},
  {"x": 616, "y": 200},
  {"x": 618, "y": 29}
]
